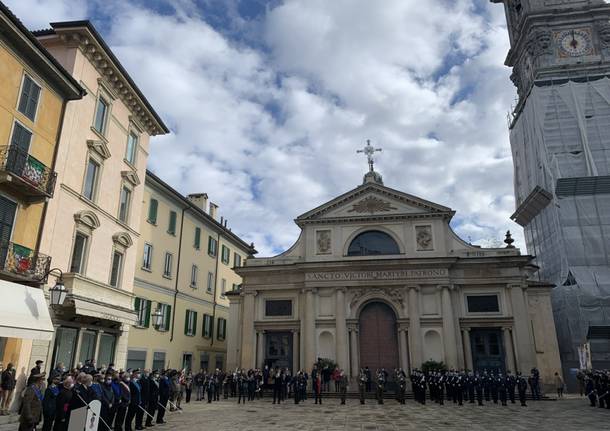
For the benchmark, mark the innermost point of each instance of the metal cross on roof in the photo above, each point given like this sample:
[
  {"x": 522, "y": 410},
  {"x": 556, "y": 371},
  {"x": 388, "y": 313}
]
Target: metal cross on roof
[{"x": 369, "y": 150}]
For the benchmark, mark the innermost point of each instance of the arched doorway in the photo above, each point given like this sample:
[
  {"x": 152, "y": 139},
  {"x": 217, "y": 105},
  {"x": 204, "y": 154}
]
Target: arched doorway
[{"x": 378, "y": 337}]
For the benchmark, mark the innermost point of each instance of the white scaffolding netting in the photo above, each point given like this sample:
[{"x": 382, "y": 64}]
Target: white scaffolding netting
[{"x": 563, "y": 133}]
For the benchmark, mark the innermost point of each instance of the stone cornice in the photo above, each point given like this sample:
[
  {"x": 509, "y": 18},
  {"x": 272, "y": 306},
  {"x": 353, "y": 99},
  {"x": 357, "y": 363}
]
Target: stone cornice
[{"x": 115, "y": 78}]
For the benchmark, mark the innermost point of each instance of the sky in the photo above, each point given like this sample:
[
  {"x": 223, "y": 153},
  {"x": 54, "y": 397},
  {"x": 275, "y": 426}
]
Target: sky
[{"x": 268, "y": 101}]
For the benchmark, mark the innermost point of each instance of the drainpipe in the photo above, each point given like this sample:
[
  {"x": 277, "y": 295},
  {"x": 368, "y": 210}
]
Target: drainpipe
[
  {"x": 171, "y": 337},
  {"x": 52, "y": 167},
  {"x": 218, "y": 251}
]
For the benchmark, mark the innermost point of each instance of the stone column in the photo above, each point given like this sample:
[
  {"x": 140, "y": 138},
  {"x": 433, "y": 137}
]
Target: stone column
[
  {"x": 341, "y": 328},
  {"x": 260, "y": 349},
  {"x": 309, "y": 329},
  {"x": 508, "y": 348},
  {"x": 295, "y": 351},
  {"x": 355, "y": 359},
  {"x": 234, "y": 329},
  {"x": 524, "y": 342},
  {"x": 402, "y": 346},
  {"x": 248, "y": 345},
  {"x": 414, "y": 327},
  {"x": 98, "y": 339},
  {"x": 467, "y": 348},
  {"x": 449, "y": 328}
]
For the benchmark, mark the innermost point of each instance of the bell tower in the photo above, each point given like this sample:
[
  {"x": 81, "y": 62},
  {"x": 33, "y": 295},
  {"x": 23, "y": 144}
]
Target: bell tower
[{"x": 560, "y": 142}]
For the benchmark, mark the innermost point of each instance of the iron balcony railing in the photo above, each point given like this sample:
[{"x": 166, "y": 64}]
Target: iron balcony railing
[
  {"x": 35, "y": 175},
  {"x": 24, "y": 262}
]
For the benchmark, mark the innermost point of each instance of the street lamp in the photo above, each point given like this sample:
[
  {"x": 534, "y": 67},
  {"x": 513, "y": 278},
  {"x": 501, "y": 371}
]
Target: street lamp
[
  {"x": 157, "y": 317},
  {"x": 58, "y": 292}
]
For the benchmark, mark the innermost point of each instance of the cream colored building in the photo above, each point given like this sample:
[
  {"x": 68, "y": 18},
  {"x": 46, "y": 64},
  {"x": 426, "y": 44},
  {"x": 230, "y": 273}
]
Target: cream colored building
[
  {"x": 92, "y": 225},
  {"x": 378, "y": 278},
  {"x": 184, "y": 267}
]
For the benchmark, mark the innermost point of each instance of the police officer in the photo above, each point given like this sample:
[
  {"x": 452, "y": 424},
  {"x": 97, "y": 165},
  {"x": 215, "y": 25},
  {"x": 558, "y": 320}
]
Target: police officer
[
  {"x": 486, "y": 385},
  {"x": 478, "y": 387},
  {"x": 343, "y": 386},
  {"x": 164, "y": 391},
  {"x": 521, "y": 388},
  {"x": 277, "y": 386},
  {"x": 153, "y": 397},
  {"x": 493, "y": 385},
  {"x": 362, "y": 381},
  {"x": 511, "y": 382},
  {"x": 502, "y": 390},
  {"x": 380, "y": 385}
]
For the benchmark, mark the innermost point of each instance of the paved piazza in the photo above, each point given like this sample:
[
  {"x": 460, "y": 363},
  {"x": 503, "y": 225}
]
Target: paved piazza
[{"x": 572, "y": 414}]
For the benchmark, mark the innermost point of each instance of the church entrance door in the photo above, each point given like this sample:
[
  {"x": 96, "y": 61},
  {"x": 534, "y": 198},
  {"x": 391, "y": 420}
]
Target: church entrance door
[
  {"x": 378, "y": 338},
  {"x": 487, "y": 350}
]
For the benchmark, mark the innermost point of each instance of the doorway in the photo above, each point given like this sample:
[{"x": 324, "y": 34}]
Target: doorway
[
  {"x": 378, "y": 338},
  {"x": 487, "y": 350}
]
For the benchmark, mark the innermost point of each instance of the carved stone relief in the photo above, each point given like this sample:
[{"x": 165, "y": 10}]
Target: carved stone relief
[
  {"x": 394, "y": 294},
  {"x": 323, "y": 242},
  {"x": 371, "y": 204},
  {"x": 423, "y": 236}
]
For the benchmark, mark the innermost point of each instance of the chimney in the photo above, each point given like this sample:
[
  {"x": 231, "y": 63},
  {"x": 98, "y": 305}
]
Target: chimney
[
  {"x": 226, "y": 221},
  {"x": 213, "y": 210},
  {"x": 200, "y": 200}
]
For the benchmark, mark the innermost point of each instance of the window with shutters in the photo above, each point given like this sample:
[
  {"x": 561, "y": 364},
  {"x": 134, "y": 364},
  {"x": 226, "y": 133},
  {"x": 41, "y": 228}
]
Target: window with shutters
[
  {"x": 142, "y": 307},
  {"x": 222, "y": 329},
  {"x": 116, "y": 268},
  {"x": 197, "y": 241},
  {"x": 132, "y": 148},
  {"x": 167, "y": 268},
  {"x": 153, "y": 205},
  {"x": 223, "y": 287},
  {"x": 166, "y": 312},
  {"x": 79, "y": 253},
  {"x": 190, "y": 323},
  {"x": 212, "y": 246},
  {"x": 101, "y": 115},
  {"x": 210, "y": 282},
  {"x": 226, "y": 254},
  {"x": 28, "y": 99},
  {"x": 8, "y": 209},
  {"x": 20, "y": 140},
  {"x": 236, "y": 259},
  {"x": 208, "y": 322},
  {"x": 171, "y": 228},
  {"x": 194, "y": 274},
  {"x": 147, "y": 258}
]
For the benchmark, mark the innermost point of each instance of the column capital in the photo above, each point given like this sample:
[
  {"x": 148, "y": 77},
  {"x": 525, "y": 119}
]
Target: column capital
[
  {"x": 449, "y": 287},
  {"x": 309, "y": 290},
  {"x": 341, "y": 289},
  {"x": 507, "y": 328},
  {"x": 414, "y": 287},
  {"x": 466, "y": 329},
  {"x": 295, "y": 331}
]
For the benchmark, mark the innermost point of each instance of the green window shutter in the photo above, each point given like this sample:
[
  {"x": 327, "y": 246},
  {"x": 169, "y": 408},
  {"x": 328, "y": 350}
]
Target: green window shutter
[
  {"x": 186, "y": 323},
  {"x": 210, "y": 245},
  {"x": 172, "y": 222},
  {"x": 197, "y": 238},
  {"x": 152, "y": 211},
  {"x": 195, "y": 323},
  {"x": 147, "y": 315},
  {"x": 168, "y": 317},
  {"x": 136, "y": 304}
]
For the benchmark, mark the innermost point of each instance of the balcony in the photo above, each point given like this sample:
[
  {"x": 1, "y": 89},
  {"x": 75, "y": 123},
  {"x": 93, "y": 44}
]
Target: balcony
[
  {"x": 25, "y": 175},
  {"x": 20, "y": 263}
]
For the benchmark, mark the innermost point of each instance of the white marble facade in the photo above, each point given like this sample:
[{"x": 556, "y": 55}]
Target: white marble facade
[{"x": 438, "y": 298}]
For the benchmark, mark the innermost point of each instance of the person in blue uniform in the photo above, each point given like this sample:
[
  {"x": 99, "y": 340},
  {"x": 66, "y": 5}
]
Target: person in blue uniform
[{"x": 164, "y": 392}]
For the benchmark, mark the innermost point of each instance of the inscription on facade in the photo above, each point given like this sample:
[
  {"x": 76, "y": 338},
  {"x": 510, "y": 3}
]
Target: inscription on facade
[{"x": 376, "y": 275}]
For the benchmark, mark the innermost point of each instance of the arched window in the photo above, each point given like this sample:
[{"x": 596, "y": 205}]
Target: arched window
[{"x": 373, "y": 243}]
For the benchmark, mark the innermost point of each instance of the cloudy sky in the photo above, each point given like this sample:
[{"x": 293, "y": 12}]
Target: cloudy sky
[{"x": 268, "y": 101}]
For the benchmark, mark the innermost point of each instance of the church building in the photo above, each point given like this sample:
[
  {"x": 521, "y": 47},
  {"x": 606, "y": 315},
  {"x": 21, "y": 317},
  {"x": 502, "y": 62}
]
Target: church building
[{"x": 378, "y": 278}]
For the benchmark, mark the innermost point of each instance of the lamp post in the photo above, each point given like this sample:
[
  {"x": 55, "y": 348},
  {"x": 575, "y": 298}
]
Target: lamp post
[{"x": 58, "y": 292}]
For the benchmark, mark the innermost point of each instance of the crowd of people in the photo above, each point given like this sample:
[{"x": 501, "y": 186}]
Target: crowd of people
[
  {"x": 595, "y": 384},
  {"x": 135, "y": 399}
]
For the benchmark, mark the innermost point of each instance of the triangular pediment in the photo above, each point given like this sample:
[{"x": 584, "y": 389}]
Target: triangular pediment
[
  {"x": 374, "y": 200},
  {"x": 100, "y": 147},
  {"x": 132, "y": 177}
]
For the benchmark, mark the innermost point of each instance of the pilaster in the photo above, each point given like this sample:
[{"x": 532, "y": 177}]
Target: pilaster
[
  {"x": 449, "y": 326},
  {"x": 341, "y": 328},
  {"x": 415, "y": 341}
]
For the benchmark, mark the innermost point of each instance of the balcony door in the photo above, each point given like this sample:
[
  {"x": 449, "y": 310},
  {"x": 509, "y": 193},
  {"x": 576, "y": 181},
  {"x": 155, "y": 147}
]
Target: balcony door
[{"x": 8, "y": 209}]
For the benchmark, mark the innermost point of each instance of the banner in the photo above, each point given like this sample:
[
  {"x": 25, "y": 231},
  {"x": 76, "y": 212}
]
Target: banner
[{"x": 85, "y": 419}]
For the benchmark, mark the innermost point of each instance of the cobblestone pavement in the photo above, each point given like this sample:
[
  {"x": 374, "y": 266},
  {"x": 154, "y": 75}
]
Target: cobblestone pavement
[{"x": 565, "y": 415}]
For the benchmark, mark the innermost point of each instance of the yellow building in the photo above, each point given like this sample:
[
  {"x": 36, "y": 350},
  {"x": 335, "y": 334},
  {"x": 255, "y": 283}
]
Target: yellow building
[
  {"x": 184, "y": 268},
  {"x": 34, "y": 91},
  {"x": 93, "y": 223}
]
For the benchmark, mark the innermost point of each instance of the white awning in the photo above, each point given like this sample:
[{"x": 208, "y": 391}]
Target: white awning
[{"x": 24, "y": 312}]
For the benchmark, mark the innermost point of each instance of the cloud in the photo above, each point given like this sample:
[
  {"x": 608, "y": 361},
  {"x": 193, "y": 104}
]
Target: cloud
[{"x": 269, "y": 102}]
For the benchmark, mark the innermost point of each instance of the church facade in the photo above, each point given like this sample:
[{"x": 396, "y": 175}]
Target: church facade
[{"x": 378, "y": 278}]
